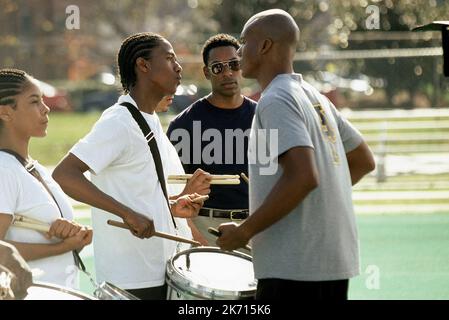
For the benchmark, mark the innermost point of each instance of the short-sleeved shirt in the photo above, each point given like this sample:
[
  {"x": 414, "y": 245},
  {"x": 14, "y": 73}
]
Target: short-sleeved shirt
[
  {"x": 215, "y": 140},
  {"x": 317, "y": 240},
  {"x": 122, "y": 166},
  {"x": 22, "y": 194}
]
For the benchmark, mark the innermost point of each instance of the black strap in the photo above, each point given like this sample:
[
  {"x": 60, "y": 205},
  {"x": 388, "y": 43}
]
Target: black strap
[
  {"x": 29, "y": 166},
  {"x": 149, "y": 136}
]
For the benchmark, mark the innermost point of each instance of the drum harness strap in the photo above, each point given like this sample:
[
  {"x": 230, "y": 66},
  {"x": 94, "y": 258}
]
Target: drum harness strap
[
  {"x": 31, "y": 169},
  {"x": 149, "y": 137}
]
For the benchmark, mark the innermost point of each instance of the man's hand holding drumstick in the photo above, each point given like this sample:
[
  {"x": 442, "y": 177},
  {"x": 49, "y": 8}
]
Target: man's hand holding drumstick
[
  {"x": 188, "y": 206},
  {"x": 198, "y": 183}
]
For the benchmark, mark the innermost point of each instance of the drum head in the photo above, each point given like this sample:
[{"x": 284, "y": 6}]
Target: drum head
[
  {"x": 211, "y": 273},
  {"x": 46, "y": 291}
]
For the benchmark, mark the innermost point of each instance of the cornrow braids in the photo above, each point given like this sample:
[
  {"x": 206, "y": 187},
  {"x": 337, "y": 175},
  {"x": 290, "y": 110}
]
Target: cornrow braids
[
  {"x": 219, "y": 40},
  {"x": 134, "y": 47},
  {"x": 12, "y": 83}
]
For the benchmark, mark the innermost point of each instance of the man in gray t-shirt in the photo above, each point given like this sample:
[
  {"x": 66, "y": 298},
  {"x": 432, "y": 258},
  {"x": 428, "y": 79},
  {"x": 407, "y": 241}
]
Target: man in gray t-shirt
[{"x": 304, "y": 158}]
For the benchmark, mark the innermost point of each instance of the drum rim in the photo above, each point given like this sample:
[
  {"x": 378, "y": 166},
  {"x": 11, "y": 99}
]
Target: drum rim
[
  {"x": 110, "y": 288},
  {"x": 175, "y": 279},
  {"x": 70, "y": 291}
]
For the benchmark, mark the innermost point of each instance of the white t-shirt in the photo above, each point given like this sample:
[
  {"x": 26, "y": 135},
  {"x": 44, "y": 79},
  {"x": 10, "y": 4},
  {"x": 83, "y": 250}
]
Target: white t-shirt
[
  {"x": 22, "y": 194},
  {"x": 175, "y": 168},
  {"x": 122, "y": 166}
]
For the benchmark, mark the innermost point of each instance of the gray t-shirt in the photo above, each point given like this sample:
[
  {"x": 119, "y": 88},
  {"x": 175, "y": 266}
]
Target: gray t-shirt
[{"x": 317, "y": 241}]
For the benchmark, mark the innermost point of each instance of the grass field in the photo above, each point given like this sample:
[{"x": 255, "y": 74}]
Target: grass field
[{"x": 64, "y": 130}]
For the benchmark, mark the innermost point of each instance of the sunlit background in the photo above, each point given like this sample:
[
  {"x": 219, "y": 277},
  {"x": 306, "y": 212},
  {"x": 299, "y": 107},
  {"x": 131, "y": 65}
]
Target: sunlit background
[{"x": 360, "y": 53}]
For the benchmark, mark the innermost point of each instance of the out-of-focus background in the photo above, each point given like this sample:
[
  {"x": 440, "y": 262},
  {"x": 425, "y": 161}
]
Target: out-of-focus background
[{"x": 360, "y": 53}]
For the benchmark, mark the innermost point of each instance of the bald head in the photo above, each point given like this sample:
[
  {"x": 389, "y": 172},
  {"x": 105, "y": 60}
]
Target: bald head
[{"x": 275, "y": 24}]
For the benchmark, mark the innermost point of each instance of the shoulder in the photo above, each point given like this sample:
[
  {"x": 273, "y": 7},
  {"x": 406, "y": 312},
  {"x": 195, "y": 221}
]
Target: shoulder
[
  {"x": 10, "y": 170},
  {"x": 250, "y": 103},
  {"x": 9, "y": 163},
  {"x": 188, "y": 114},
  {"x": 285, "y": 89},
  {"x": 42, "y": 170},
  {"x": 115, "y": 118}
]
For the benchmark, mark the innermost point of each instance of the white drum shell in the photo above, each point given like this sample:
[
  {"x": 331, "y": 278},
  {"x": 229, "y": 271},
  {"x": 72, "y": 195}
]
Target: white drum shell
[{"x": 182, "y": 288}]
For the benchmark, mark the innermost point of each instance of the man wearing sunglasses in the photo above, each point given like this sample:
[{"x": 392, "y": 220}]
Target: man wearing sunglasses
[{"x": 222, "y": 120}]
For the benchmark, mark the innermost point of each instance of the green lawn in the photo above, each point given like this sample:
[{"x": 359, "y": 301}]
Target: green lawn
[
  {"x": 411, "y": 253},
  {"x": 64, "y": 130}
]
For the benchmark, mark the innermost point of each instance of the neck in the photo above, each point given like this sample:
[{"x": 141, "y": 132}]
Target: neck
[
  {"x": 146, "y": 101},
  {"x": 271, "y": 71},
  {"x": 14, "y": 143},
  {"x": 225, "y": 102}
]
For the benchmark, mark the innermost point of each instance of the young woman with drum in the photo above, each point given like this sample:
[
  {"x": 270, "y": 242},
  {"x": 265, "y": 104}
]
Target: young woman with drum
[{"x": 30, "y": 199}]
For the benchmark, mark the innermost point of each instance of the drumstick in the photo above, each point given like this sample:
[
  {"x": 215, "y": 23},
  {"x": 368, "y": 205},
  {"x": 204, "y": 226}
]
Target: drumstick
[
  {"x": 245, "y": 178},
  {"x": 221, "y": 181},
  {"x": 217, "y": 233},
  {"x": 21, "y": 218},
  {"x": 31, "y": 226},
  {"x": 213, "y": 176},
  {"x": 29, "y": 223},
  {"x": 156, "y": 234},
  {"x": 200, "y": 198}
]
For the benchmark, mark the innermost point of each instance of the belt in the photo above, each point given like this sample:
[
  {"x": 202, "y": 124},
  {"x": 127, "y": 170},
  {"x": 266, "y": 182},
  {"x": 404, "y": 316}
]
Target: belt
[{"x": 235, "y": 214}]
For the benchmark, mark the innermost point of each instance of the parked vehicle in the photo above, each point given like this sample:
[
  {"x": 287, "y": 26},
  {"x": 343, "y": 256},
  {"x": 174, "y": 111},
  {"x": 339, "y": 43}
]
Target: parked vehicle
[
  {"x": 56, "y": 99},
  {"x": 185, "y": 95}
]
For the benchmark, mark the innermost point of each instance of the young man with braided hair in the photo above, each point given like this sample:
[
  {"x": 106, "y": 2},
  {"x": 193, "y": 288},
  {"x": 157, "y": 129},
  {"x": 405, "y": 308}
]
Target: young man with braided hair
[{"x": 124, "y": 178}]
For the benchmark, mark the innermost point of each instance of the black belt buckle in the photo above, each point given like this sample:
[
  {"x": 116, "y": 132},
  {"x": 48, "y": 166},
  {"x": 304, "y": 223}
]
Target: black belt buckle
[
  {"x": 237, "y": 215},
  {"x": 234, "y": 215}
]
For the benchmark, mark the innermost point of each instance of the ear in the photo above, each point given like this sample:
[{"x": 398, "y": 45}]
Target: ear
[
  {"x": 266, "y": 45},
  {"x": 142, "y": 65},
  {"x": 5, "y": 112},
  {"x": 206, "y": 72}
]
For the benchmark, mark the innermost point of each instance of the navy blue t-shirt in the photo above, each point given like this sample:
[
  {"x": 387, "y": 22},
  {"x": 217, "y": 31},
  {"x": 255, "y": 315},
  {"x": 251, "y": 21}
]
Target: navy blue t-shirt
[{"x": 215, "y": 140}]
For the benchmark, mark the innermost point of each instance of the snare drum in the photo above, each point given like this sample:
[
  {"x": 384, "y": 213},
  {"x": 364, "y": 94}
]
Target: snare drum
[
  {"x": 46, "y": 291},
  {"x": 107, "y": 291},
  {"x": 208, "y": 273}
]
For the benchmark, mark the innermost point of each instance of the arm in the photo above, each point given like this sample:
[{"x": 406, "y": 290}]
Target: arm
[
  {"x": 299, "y": 178},
  {"x": 34, "y": 251},
  {"x": 360, "y": 162},
  {"x": 70, "y": 175},
  {"x": 196, "y": 234},
  {"x": 359, "y": 156},
  {"x": 12, "y": 262}
]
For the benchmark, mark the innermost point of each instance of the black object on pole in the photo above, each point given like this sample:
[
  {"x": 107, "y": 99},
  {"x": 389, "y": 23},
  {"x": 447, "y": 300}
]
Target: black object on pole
[{"x": 442, "y": 26}]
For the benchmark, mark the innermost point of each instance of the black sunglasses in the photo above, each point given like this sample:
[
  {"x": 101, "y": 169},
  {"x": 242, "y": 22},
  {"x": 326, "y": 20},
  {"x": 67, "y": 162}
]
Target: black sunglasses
[{"x": 218, "y": 67}]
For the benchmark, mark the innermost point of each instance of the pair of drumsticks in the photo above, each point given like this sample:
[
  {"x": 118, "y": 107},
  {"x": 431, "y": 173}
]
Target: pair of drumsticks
[
  {"x": 213, "y": 231},
  {"x": 216, "y": 179},
  {"x": 33, "y": 224},
  {"x": 37, "y": 225}
]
